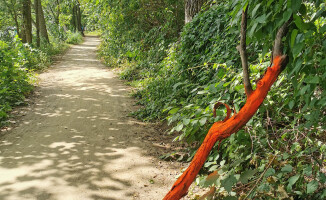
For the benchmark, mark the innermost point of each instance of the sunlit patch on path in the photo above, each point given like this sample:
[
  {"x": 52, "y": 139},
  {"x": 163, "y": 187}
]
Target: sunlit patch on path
[{"x": 77, "y": 141}]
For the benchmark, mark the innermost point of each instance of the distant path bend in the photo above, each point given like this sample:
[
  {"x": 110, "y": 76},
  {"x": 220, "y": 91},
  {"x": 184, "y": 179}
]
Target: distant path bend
[{"x": 76, "y": 142}]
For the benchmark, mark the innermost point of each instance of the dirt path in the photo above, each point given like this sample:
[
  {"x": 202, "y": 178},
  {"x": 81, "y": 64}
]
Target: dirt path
[{"x": 77, "y": 141}]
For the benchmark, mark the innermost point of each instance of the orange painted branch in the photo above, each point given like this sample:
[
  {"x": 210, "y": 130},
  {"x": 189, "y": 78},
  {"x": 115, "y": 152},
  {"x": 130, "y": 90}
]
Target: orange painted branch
[{"x": 223, "y": 129}]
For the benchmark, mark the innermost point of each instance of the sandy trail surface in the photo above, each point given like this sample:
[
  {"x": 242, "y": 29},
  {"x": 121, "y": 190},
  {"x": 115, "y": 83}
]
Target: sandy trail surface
[{"x": 77, "y": 142}]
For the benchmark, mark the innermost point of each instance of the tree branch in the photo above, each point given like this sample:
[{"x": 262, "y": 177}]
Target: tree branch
[
  {"x": 278, "y": 46},
  {"x": 223, "y": 129},
  {"x": 243, "y": 54}
]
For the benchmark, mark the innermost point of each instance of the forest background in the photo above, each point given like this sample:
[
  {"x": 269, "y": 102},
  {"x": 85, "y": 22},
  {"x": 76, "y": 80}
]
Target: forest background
[{"x": 182, "y": 58}]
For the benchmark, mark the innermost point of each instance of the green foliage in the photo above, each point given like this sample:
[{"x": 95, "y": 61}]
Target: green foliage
[
  {"x": 15, "y": 78},
  {"x": 74, "y": 37},
  {"x": 139, "y": 31},
  {"x": 18, "y": 62},
  {"x": 280, "y": 153}
]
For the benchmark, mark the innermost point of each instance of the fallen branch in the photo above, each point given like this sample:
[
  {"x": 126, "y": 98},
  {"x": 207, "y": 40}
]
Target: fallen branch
[{"x": 223, "y": 129}]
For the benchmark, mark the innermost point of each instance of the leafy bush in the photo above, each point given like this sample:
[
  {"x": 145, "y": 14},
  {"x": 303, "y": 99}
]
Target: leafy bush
[
  {"x": 18, "y": 62},
  {"x": 74, "y": 37},
  {"x": 15, "y": 77}
]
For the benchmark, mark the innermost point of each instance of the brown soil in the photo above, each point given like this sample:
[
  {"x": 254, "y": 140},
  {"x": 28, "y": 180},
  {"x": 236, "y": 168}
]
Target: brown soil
[{"x": 76, "y": 140}]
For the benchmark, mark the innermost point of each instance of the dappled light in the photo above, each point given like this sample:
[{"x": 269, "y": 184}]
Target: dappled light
[
  {"x": 78, "y": 142},
  {"x": 147, "y": 100}
]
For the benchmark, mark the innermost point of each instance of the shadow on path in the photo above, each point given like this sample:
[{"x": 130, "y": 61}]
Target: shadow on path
[{"x": 77, "y": 141}]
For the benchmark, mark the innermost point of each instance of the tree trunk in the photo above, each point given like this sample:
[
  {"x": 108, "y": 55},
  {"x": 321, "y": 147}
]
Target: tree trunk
[
  {"x": 192, "y": 7},
  {"x": 74, "y": 17},
  {"x": 78, "y": 19},
  {"x": 37, "y": 23},
  {"x": 42, "y": 23},
  {"x": 27, "y": 22}
]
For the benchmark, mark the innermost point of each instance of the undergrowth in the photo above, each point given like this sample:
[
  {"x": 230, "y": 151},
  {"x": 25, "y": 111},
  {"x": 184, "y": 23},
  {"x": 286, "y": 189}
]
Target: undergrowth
[
  {"x": 281, "y": 152},
  {"x": 74, "y": 37},
  {"x": 19, "y": 64}
]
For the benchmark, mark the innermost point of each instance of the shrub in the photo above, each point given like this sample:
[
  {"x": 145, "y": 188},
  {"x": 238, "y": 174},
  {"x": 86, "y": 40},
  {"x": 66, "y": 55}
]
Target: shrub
[
  {"x": 74, "y": 37},
  {"x": 15, "y": 79}
]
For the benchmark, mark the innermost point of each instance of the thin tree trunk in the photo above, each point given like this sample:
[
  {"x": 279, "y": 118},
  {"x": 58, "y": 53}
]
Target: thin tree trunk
[
  {"x": 192, "y": 7},
  {"x": 42, "y": 23},
  {"x": 37, "y": 23},
  {"x": 56, "y": 17},
  {"x": 78, "y": 19},
  {"x": 74, "y": 17},
  {"x": 17, "y": 24},
  {"x": 27, "y": 22},
  {"x": 58, "y": 11},
  {"x": 243, "y": 52}
]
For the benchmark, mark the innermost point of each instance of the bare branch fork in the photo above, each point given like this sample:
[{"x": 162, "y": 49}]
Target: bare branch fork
[{"x": 223, "y": 129}]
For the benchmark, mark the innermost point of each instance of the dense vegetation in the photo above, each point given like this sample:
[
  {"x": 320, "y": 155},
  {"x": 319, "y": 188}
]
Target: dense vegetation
[
  {"x": 19, "y": 59},
  {"x": 181, "y": 71},
  {"x": 281, "y": 151}
]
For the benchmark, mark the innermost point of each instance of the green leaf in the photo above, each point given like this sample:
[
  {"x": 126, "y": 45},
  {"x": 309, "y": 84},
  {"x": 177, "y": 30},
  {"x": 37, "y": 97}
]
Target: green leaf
[
  {"x": 202, "y": 121},
  {"x": 292, "y": 181},
  {"x": 255, "y": 10},
  {"x": 179, "y": 127},
  {"x": 269, "y": 172},
  {"x": 212, "y": 88},
  {"x": 252, "y": 30},
  {"x": 228, "y": 183},
  {"x": 308, "y": 170},
  {"x": 298, "y": 22},
  {"x": 173, "y": 111},
  {"x": 245, "y": 176},
  {"x": 312, "y": 187},
  {"x": 186, "y": 121},
  {"x": 323, "y": 195},
  {"x": 297, "y": 66},
  {"x": 287, "y": 168},
  {"x": 304, "y": 89},
  {"x": 287, "y": 14},
  {"x": 291, "y": 104},
  {"x": 203, "y": 92},
  {"x": 322, "y": 29},
  {"x": 293, "y": 36},
  {"x": 314, "y": 79},
  {"x": 323, "y": 62},
  {"x": 238, "y": 87},
  {"x": 261, "y": 19},
  {"x": 285, "y": 156},
  {"x": 298, "y": 193},
  {"x": 176, "y": 85},
  {"x": 295, "y": 5},
  {"x": 322, "y": 178},
  {"x": 297, "y": 48},
  {"x": 265, "y": 187}
]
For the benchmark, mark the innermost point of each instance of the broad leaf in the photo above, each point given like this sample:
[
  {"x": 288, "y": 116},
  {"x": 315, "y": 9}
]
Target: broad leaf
[{"x": 312, "y": 187}]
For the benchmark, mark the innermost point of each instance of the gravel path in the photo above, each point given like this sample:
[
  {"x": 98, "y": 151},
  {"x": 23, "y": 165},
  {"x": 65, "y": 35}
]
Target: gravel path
[{"x": 77, "y": 142}]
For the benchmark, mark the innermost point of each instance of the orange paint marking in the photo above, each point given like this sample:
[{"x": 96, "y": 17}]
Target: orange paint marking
[{"x": 223, "y": 129}]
